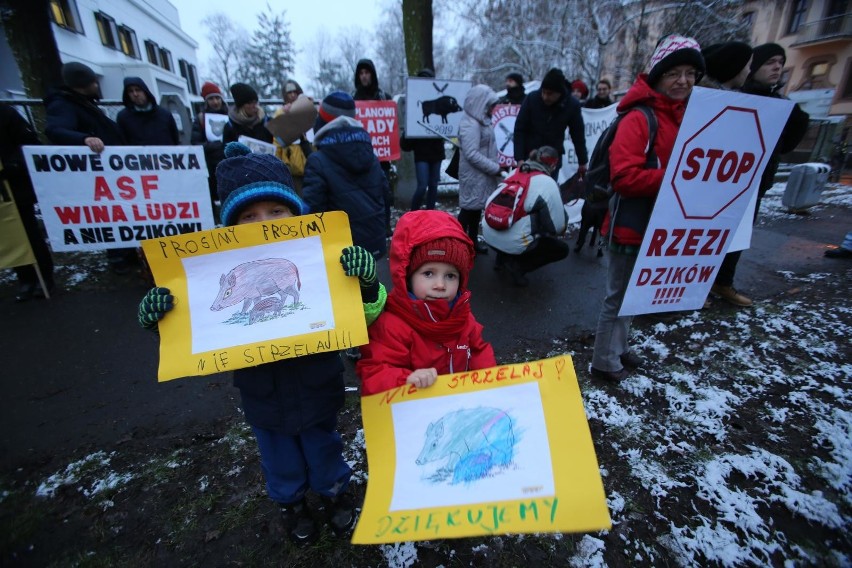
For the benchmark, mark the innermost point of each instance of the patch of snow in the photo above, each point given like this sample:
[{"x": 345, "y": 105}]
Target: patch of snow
[
  {"x": 589, "y": 553},
  {"x": 399, "y": 554},
  {"x": 72, "y": 473}
]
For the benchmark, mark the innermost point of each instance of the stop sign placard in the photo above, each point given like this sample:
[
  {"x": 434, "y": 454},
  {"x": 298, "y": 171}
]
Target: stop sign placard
[{"x": 715, "y": 168}]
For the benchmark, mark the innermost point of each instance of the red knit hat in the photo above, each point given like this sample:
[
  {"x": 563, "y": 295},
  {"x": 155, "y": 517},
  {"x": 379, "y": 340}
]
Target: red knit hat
[
  {"x": 208, "y": 89},
  {"x": 446, "y": 249},
  {"x": 578, "y": 85}
]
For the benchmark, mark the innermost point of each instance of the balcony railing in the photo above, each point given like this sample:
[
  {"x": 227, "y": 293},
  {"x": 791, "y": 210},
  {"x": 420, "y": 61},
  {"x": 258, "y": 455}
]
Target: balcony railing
[{"x": 837, "y": 27}]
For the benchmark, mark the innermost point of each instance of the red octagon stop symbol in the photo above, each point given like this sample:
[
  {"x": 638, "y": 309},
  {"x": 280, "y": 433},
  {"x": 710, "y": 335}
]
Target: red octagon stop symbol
[{"x": 718, "y": 163}]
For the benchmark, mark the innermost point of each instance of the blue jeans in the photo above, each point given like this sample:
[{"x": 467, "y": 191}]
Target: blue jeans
[
  {"x": 311, "y": 459},
  {"x": 428, "y": 175}
]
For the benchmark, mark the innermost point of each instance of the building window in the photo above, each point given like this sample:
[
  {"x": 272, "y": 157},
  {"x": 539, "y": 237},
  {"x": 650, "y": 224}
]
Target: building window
[
  {"x": 166, "y": 59},
  {"x": 187, "y": 71},
  {"x": 797, "y": 15},
  {"x": 65, "y": 15},
  {"x": 153, "y": 52},
  {"x": 127, "y": 39},
  {"x": 106, "y": 29}
]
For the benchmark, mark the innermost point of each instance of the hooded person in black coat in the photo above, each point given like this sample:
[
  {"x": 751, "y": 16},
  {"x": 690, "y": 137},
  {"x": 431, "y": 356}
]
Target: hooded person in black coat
[
  {"x": 142, "y": 121},
  {"x": 367, "y": 83}
]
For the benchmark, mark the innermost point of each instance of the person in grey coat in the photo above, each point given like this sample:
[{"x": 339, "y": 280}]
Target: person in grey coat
[{"x": 478, "y": 167}]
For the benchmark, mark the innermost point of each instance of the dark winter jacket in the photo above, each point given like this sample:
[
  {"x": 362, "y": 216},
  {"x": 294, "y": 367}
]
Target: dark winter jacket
[
  {"x": 513, "y": 96},
  {"x": 291, "y": 395},
  {"x": 234, "y": 129},
  {"x": 214, "y": 150},
  {"x": 72, "y": 117},
  {"x": 425, "y": 149},
  {"x": 596, "y": 102},
  {"x": 372, "y": 92},
  {"x": 151, "y": 126},
  {"x": 636, "y": 185},
  {"x": 794, "y": 131},
  {"x": 540, "y": 125},
  {"x": 396, "y": 347},
  {"x": 14, "y": 133},
  {"x": 343, "y": 174}
]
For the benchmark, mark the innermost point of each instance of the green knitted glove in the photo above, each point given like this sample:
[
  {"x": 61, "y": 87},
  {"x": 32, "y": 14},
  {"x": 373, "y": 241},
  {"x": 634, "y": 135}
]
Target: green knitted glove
[
  {"x": 358, "y": 262},
  {"x": 154, "y": 306}
]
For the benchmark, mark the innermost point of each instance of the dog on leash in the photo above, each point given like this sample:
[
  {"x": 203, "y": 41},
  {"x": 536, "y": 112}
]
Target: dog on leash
[{"x": 592, "y": 217}]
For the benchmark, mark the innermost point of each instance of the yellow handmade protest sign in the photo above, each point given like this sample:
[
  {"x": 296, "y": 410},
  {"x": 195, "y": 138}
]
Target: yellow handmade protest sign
[
  {"x": 256, "y": 293},
  {"x": 494, "y": 451}
]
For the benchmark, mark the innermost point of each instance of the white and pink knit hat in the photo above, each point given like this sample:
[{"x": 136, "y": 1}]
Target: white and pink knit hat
[{"x": 671, "y": 51}]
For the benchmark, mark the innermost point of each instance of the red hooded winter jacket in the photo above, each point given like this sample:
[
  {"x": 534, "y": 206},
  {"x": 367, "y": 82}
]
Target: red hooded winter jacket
[
  {"x": 627, "y": 157},
  {"x": 396, "y": 349}
]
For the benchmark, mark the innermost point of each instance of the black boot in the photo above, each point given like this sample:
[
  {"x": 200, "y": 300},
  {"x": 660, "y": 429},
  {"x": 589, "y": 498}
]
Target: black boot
[
  {"x": 300, "y": 526},
  {"x": 340, "y": 511}
]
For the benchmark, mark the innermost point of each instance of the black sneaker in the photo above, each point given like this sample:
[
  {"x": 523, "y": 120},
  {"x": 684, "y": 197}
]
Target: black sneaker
[
  {"x": 610, "y": 376},
  {"x": 341, "y": 512},
  {"x": 299, "y": 524},
  {"x": 631, "y": 360}
]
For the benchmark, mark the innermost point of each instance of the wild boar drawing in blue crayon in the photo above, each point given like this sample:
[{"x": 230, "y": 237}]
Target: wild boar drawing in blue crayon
[
  {"x": 474, "y": 442},
  {"x": 255, "y": 284}
]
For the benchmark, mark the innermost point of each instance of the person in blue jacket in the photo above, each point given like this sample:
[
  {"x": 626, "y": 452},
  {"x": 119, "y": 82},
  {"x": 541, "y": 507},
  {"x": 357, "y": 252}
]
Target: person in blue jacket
[
  {"x": 142, "y": 121},
  {"x": 343, "y": 174}
]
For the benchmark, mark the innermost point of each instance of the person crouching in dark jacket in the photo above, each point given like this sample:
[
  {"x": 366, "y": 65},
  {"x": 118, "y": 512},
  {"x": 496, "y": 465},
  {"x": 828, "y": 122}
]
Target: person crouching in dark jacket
[{"x": 343, "y": 174}]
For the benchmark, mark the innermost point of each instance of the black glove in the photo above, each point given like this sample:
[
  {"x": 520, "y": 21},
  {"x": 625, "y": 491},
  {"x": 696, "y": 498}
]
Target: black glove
[{"x": 154, "y": 306}]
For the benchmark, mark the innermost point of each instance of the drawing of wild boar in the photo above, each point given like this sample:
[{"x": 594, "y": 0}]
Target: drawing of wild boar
[
  {"x": 251, "y": 281},
  {"x": 442, "y": 105},
  {"x": 473, "y": 441}
]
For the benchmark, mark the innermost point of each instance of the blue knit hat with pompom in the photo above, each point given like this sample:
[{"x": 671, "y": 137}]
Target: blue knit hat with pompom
[{"x": 244, "y": 178}]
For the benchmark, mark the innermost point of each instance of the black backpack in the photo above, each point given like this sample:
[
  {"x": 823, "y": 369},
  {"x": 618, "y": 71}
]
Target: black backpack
[{"x": 597, "y": 180}]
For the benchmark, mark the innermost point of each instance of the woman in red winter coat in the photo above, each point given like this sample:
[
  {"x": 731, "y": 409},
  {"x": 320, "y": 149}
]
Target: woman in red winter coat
[
  {"x": 427, "y": 328},
  {"x": 675, "y": 68}
]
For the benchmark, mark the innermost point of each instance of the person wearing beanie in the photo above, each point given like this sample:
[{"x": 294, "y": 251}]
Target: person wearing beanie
[
  {"x": 727, "y": 65},
  {"x": 75, "y": 119},
  {"x": 535, "y": 239},
  {"x": 764, "y": 79},
  {"x": 579, "y": 91},
  {"x": 427, "y": 328},
  {"x": 247, "y": 118},
  {"x": 142, "y": 121},
  {"x": 479, "y": 171},
  {"x": 294, "y": 154},
  {"x": 428, "y": 156},
  {"x": 675, "y": 66},
  {"x": 544, "y": 117},
  {"x": 214, "y": 148},
  {"x": 515, "y": 92},
  {"x": 343, "y": 173},
  {"x": 291, "y": 404},
  {"x": 602, "y": 98}
]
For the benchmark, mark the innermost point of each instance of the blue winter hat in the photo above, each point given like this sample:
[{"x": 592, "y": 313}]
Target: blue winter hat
[
  {"x": 244, "y": 178},
  {"x": 335, "y": 104}
]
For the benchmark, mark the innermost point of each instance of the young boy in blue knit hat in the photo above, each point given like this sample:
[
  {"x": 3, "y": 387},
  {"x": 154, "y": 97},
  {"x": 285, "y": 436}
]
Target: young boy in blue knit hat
[{"x": 291, "y": 404}]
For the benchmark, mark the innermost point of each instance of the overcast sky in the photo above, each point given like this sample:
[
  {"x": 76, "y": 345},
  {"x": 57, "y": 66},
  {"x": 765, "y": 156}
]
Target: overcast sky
[{"x": 306, "y": 19}]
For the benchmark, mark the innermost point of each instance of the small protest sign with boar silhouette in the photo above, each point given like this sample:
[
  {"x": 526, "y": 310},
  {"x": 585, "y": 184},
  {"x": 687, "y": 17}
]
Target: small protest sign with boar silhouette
[
  {"x": 263, "y": 287},
  {"x": 474, "y": 443}
]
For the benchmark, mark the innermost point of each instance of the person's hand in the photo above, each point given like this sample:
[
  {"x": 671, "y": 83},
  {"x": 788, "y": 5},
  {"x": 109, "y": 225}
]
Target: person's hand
[
  {"x": 154, "y": 307},
  {"x": 358, "y": 262},
  {"x": 95, "y": 144},
  {"x": 582, "y": 170},
  {"x": 422, "y": 378}
]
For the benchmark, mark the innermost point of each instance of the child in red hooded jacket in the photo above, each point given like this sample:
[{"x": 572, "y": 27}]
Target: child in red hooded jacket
[{"x": 427, "y": 328}]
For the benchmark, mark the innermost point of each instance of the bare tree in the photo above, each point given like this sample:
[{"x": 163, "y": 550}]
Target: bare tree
[
  {"x": 226, "y": 38},
  {"x": 391, "y": 66},
  {"x": 417, "y": 25}
]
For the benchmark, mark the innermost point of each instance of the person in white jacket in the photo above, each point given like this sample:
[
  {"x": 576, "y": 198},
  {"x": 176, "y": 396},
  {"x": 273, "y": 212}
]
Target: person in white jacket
[{"x": 534, "y": 239}]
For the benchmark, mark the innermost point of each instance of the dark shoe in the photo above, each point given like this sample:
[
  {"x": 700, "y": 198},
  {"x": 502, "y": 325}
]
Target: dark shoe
[
  {"x": 631, "y": 360},
  {"x": 838, "y": 252},
  {"x": 611, "y": 376},
  {"x": 517, "y": 275},
  {"x": 341, "y": 512},
  {"x": 25, "y": 292},
  {"x": 730, "y": 294},
  {"x": 300, "y": 526}
]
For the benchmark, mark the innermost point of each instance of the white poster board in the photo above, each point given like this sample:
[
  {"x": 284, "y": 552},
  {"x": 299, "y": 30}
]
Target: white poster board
[
  {"x": 433, "y": 107},
  {"x": 257, "y": 146},
  {"x": 120, "y": 197},
  {"x": 214, "y": 126},
  {"x": 721, "y": 151}
]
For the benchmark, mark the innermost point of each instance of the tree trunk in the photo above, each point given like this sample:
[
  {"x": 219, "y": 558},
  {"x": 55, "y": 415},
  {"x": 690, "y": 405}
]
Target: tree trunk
[{"x": 417, "y": 27}]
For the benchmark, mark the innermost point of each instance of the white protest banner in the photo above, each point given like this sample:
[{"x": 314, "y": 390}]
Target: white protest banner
[
  {"x": 722, "y": 148},
  {"x": 214, "y": 126},
  {"x": 121, "y": 196},
  {"x": 503, "y": 122},
  {"x": 433, "y": 107},
  {"x": 596, "y": 121}
]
